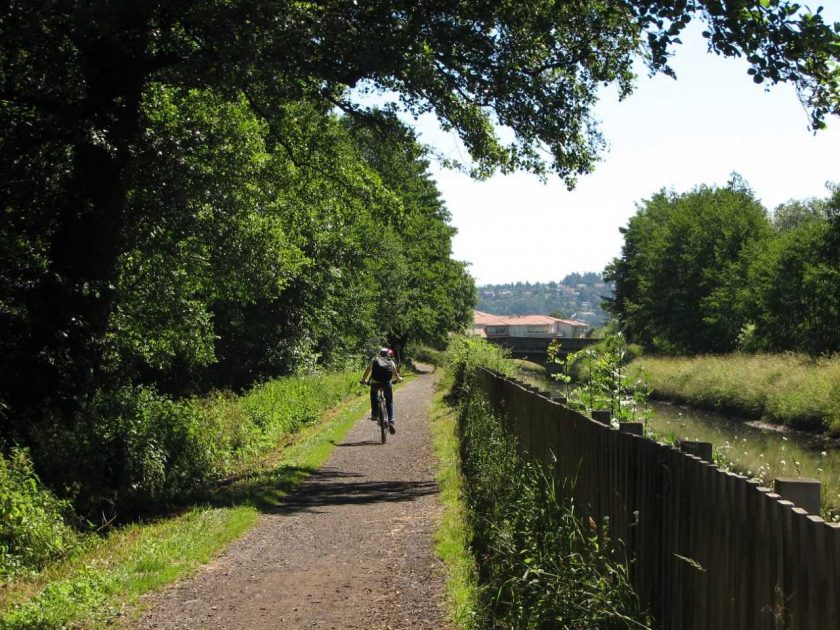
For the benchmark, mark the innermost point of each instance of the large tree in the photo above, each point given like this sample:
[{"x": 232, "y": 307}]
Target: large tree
[
  {"x": 682, "y": 267},
  {"x": 74, "y": 75},
  {"x": 793, "y": 285}
]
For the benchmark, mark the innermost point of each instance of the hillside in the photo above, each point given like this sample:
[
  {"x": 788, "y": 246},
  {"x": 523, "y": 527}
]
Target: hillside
[{"x": 577, "y": 296}]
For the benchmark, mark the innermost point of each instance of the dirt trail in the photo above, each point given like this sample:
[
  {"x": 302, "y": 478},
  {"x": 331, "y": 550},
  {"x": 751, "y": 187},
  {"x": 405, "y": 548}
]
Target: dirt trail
[{"x": 351, "y": 547}]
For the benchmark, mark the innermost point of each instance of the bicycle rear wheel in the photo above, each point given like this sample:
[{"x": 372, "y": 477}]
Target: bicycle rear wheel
[{"x": 383, "y": 419}]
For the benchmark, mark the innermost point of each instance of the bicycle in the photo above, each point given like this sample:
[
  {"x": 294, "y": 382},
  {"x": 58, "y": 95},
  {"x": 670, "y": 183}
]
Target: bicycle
[{"x": 382, "y": 416}]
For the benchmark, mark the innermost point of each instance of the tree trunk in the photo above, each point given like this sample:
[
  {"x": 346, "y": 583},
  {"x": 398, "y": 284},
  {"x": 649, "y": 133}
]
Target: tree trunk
[{"x": 69, "y": 309}]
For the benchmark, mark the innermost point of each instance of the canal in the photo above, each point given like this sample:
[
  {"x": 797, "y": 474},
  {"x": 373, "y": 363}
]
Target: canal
[{"x": 755, "y": 449}]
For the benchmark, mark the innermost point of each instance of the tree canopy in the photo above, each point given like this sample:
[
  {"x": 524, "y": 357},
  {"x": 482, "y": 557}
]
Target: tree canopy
[
  {"x": 682, "y": 266},
  {"x": 709, "y": 271},
  {"x": 193, "y": 195}
]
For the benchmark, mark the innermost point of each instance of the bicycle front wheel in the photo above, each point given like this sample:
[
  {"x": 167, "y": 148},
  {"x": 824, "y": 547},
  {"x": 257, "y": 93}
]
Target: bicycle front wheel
[{"x": 383, "y": 420}]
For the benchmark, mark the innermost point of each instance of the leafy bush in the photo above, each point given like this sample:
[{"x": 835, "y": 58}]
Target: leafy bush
[
  {"x": 467, "y": 353},
  {"x": 135, "y": 452},
  {"x": 32, "y": 526},
  {"x": 426, "y": 354},
  {"x": 131, "y": 451},
  {"x": 603, "y": 381},
  {"x": 540, "y": 567}
]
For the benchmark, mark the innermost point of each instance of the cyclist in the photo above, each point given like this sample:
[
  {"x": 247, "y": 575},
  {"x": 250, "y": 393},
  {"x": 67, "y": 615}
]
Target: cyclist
[{"x": 382, "y": 370}]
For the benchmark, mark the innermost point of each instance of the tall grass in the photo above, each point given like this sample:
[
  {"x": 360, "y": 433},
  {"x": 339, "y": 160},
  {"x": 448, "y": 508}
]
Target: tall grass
[
  {"x": 539, "y": 565},
  {"x": 789, "y": 389},
  {"x": 237, "y": 429},
  {"x": 105, "y": 577},
  {"x": 452, "y": 538},
  {"x": 140, "y": 454},
  {"x": 465, "y": 354}
]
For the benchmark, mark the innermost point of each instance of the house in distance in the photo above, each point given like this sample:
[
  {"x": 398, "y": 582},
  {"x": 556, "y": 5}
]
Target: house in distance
[{"x": 499, "y": 326}]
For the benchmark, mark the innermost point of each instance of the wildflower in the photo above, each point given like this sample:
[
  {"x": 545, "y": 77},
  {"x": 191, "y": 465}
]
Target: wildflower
[{"x": 823, "y": 454}]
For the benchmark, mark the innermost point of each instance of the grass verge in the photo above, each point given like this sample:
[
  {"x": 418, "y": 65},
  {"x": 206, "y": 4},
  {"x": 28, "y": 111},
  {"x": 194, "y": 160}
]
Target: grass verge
[
  {"x": 452, "y": 537},
  {"x": 786, "y": 389},
  {"x": 105, "y": 580}
]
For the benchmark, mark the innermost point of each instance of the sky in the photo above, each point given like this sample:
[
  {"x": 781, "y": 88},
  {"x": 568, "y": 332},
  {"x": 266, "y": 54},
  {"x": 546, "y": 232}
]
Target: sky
[{"x": 711, "y": 121}]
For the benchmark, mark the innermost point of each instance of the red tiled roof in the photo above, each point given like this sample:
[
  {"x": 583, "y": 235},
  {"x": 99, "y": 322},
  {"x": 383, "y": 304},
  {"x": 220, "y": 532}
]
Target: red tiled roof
[{"x": 486, "y": 319}]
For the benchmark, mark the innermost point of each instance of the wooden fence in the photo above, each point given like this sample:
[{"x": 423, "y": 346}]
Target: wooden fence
[{"x": 707, "y": 548}]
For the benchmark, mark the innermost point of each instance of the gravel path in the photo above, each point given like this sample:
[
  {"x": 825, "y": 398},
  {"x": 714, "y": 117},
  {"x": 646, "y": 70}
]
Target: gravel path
[{"x": 351, "y": 548}]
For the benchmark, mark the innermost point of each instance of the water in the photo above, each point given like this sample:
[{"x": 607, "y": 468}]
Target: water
[{"x": 756, "y": 450}]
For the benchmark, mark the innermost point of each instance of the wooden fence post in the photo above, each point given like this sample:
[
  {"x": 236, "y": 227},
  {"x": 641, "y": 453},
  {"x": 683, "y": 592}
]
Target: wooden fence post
[
  {"x": 703, "y": 450},
  {"x": 633, "y": 428},
  {"x": 601, "y": 415},
  {"x": 803, "y": 492}
]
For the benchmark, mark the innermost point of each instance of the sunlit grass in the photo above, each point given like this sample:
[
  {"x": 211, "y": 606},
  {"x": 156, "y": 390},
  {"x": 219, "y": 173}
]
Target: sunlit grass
[
  {"x": 528, "y": 367},
  {"x": 105, "y": 579},
  {"x": 787, "y": 389},
  {"x": 452, "y": 536}
]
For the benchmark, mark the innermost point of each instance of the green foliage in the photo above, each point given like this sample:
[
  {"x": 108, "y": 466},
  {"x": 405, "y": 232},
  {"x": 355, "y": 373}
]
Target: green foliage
[
  {"x": 707, "y": 272},
  {"x": 183, "y": 209},
  {"x": 33, "y": 531},
  {"x": 682, "y": 267},
  {"x": 788, "y": 389},
  {"x": 453, "y": 536},
  {"x": 794, "y": 281},
  {"x": 465, "y": 355},
  {"x": 137, "y": 452},
  {"x": 426, "y": 354},
  {"x": 539, "y": 566},
  {"x": 602, "y": 381},
  {"x": 238, "y": 264},
  {"x": 576, "y": 296}
]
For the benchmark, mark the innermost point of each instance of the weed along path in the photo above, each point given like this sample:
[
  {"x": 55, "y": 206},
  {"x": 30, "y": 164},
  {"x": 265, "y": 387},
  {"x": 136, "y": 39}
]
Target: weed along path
[{"x": 351, "y": 547}]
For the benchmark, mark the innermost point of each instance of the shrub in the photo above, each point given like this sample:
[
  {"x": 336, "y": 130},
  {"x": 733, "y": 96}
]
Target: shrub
[
  {"x": 32, "y": 526},
  {"x": 540, "y": 567},
  {"x": 425, "y": 354},
  {"x": 467, "y": 353},
  {"x": 134, "y": 452}
]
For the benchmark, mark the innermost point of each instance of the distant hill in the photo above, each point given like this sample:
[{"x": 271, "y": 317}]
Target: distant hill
[{"x": 577, "y": 296}]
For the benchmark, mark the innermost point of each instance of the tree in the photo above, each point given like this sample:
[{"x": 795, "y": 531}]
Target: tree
[
  {"x": 74, "y": 76},
  {"x": 793, "y": 299},
  {"x": 794, "y": 213},
  {"x": 426, "y": 293},
  {"x": 681, "y": 269}
]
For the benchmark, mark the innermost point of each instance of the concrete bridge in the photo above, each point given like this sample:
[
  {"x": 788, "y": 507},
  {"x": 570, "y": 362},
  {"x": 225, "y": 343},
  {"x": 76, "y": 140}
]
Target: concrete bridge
[{"x": 536, "y": 348}]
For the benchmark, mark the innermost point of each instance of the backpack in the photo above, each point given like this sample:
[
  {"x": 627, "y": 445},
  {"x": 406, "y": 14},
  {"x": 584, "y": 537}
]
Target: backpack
[{"x": 383, "y": 370}]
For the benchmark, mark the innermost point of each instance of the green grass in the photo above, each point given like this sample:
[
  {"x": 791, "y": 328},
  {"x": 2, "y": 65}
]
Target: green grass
[
  {"x": 786, "y": 389},
  {"x": 529, "y": 367},
  {"x": 452, "y": 536},
  {"x": 106, "y": 579}
]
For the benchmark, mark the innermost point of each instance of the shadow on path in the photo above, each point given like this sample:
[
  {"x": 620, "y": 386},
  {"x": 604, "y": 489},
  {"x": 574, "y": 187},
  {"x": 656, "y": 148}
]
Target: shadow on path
[
  {"x": 331, "y": 487},
  {"x": 361, "y": 443},
  {"x": 269, "y": 491}
]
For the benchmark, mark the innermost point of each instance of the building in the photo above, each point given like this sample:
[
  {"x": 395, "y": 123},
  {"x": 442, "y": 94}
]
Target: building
[{"x": 496, "y": 326}]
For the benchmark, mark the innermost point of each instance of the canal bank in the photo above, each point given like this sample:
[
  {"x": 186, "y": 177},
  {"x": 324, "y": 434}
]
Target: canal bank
[{"x": 753, "y": 448}]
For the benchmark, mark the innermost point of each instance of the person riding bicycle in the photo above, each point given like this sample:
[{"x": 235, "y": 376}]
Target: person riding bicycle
[{"x": 382, "y": 370}]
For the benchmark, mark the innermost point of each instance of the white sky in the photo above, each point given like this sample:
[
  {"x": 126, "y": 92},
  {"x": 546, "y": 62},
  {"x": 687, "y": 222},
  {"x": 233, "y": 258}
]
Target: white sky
[{"x": 674, "y": 134}]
